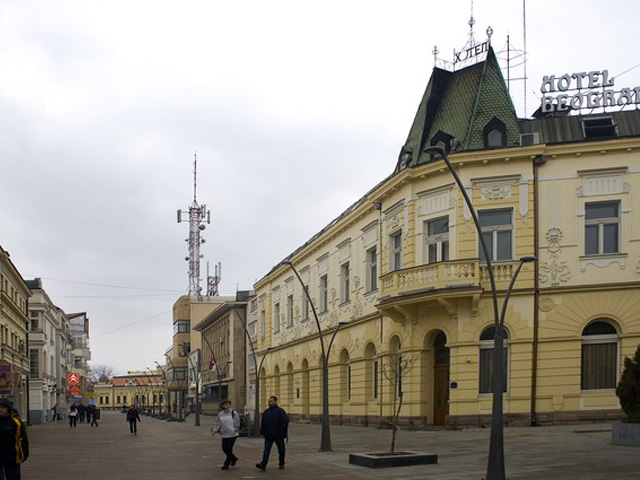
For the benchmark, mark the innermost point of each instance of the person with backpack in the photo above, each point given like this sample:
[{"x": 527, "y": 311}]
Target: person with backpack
[
  {"x": 227, "y": 424},
  {"x": 14, "y": 444}
]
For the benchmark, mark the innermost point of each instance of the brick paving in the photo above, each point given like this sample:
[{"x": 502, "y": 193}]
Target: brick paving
[{"x": 172, "y": 450}]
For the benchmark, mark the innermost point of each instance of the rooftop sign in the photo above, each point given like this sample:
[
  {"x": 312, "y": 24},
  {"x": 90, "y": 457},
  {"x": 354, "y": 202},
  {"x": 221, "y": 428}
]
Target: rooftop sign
[{"x": 582, "y": 90}]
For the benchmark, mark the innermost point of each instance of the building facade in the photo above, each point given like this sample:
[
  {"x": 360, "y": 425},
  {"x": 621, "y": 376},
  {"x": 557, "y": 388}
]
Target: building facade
[
  {"x": 224, "y": 373},
  {"x": 146, "y": 390},
  {"x": 14, "y": 334},
  {"x": 399, "y": 286}
]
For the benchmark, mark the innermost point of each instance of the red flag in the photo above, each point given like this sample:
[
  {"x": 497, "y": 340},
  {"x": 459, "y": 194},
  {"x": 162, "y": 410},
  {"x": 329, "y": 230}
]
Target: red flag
[{"x": 212, "y": 362}]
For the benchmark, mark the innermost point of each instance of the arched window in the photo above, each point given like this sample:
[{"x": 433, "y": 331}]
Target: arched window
[
  {"x": 345, "y": 376},
  {"x": 371, "y": 378},
  {"x": 495, "y": 134},
  {"x": 599, "y": 356},
  {"x": 485, "y": 383}
]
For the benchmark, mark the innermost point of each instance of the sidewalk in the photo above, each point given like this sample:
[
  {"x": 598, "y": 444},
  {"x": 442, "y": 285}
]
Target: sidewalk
[{"x": 172, "y": 450}]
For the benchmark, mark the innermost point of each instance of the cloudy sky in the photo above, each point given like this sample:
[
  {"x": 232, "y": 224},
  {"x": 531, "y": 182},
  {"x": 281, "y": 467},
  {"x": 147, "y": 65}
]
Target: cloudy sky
[{"x": 295, "y": 108}]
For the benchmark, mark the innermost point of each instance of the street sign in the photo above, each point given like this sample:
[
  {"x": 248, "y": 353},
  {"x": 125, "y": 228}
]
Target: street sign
[
  {"x": 73, "y": 379},
  {"x": 75, "y": 390}
]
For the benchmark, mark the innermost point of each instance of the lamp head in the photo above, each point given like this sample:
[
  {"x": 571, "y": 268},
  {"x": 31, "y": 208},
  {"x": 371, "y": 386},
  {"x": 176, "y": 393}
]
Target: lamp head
[
  {"x": 435, "y": 149},
  {"x": 528, "y": 259}
]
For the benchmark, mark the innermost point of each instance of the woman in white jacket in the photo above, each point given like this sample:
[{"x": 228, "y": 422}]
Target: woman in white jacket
[{"x": 227, "y": 424}]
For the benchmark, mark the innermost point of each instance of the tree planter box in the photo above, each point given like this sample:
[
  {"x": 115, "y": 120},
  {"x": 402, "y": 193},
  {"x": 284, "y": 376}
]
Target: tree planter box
[
  {"x": 626, "y": 434},
  {"x": 386, "y": 460}
]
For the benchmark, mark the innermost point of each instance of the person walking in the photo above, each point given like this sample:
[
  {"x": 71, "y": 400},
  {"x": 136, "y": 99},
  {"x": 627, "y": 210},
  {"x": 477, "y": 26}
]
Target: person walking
[
  {"x": 73, "y": 416},
  {"x": 14, "y": 444},
  {"x": 133, "y": 417},
  {"x": 274, "y": 429},
  {"x": 92, "y": 413},
  {"x": 227, "y": 424}
]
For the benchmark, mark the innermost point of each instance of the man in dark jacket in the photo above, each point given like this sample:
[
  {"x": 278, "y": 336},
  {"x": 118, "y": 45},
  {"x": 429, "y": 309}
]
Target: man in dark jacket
[
  {"x": 274, "y": 429},
  {"x": 14, "y": 444},
  {"x": 132, "y": 418}
]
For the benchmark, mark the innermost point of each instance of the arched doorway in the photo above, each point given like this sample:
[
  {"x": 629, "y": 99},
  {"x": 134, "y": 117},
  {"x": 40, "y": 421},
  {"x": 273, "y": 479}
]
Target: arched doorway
[
  {"x": 440, "y": 379},
  {"x": 305, "y": 389}
]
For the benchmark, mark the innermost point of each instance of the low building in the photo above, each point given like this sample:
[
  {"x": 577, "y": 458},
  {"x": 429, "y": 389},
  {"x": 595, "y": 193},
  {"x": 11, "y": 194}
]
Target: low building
[{"x": 146, "y": 390}]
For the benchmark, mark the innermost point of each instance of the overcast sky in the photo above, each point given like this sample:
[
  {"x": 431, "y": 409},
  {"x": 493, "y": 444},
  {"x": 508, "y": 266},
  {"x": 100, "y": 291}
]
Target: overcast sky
[{"x": 295, "y": 108}]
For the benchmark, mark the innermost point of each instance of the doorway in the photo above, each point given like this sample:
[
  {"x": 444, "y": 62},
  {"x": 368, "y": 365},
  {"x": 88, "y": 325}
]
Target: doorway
[{"x": 440, "y": 379}]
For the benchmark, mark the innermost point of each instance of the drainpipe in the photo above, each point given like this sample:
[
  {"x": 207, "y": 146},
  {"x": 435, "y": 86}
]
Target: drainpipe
[{"x": 537, "y": 162}]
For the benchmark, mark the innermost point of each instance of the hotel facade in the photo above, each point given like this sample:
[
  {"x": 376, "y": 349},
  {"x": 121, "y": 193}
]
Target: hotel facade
[{"x": 401, "y": 289}]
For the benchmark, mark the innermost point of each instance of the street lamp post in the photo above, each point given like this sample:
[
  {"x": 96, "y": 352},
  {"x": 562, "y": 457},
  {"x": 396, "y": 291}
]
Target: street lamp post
[
  {"x": 495, "y": 463},
  {"x": 178, "y": 392},
  {"x": 257, "y": 399},
  {"x": 325, "y": 441},
  {"x": 164, "y": 378},
  {"x": 196, "y": 375}
]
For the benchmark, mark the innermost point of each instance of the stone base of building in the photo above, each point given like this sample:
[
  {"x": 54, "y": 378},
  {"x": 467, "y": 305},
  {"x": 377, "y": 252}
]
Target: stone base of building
[{"x": 462, "y": 421}]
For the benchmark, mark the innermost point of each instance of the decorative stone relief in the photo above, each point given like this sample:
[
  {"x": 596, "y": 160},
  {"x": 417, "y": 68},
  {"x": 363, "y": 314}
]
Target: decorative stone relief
[
  {"x": 495, "y": 192},
  {"x": 523, "y": 202},
  {"x": 554, "y": 271}
]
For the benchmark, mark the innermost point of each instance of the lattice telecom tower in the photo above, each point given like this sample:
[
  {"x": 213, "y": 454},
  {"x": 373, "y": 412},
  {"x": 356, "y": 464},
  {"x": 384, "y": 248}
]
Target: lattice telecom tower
[{"x": 198, "y": 216}]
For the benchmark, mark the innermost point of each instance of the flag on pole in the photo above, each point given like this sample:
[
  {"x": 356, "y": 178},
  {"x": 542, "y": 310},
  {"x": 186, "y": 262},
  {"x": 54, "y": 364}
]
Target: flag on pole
[{"x": 212, "y": 362}]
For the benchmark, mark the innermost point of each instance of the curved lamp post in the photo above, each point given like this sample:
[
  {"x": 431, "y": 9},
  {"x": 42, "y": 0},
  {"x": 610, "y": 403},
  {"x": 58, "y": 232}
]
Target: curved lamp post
[
  {"x": 196, "y": 376},
  {"x": 179, "y": 392},
  {"x": 495, "y": 464},
  {"x": 257, "y": 400},
  {"x": 325, "y": 440},
  {"x": 164, "y": 378}
]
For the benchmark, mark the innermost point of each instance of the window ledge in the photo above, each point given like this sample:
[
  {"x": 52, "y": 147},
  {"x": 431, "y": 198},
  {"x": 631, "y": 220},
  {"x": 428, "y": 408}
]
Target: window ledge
[
  {"x": 603, "y": 260},
  {"x": 599, "y": 391}
]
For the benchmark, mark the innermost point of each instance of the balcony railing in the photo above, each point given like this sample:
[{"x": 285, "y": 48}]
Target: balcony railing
[{"x": 441, "y": 275}]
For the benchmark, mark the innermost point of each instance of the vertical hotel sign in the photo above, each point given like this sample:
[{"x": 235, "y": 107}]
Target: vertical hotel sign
[{"x": 584, "y": 90}]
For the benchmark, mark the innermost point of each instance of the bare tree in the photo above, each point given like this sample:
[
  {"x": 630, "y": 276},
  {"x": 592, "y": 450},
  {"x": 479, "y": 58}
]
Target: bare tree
[
  {"x": 396, "y": 366},
  {"x": 100, "y": 373}
]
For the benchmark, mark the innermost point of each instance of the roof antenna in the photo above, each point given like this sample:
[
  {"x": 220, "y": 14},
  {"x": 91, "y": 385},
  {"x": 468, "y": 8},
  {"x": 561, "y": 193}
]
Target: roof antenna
[{"x": 472, "y": 22}]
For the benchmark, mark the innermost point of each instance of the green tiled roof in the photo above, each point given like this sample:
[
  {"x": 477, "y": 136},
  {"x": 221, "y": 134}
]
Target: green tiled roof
[{"x": 461, "y": 104}]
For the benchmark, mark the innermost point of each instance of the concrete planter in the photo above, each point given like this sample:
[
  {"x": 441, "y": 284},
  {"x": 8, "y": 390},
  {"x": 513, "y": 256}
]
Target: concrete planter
[
  {"x": 626, "y": 434},
  {"x": 386, "y": 460}
]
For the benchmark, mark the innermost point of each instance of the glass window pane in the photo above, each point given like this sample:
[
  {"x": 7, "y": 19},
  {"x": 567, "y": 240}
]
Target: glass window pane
[
  {"x": 445, "y": 251},
  {"x": 591, "y": 239},
  {"x": 488, "y": 240},
  {"x": 602, "y": 210},
  {"x": 437, "y": 227},
  {"x": 492, "y": 218},
  {"x": 433, "y": 252},
  {"x": 504, "y": 245},
  {"x": 610, "y": 240},
  {"x": 598, "y": 366}
]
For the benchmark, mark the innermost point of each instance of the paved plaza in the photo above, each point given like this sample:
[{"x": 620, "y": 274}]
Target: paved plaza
[{"x": 172, "y": 450}]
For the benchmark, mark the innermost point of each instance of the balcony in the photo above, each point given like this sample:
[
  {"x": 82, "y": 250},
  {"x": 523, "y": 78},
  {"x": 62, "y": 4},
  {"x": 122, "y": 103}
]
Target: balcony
[{"x": 438, "y": 282}]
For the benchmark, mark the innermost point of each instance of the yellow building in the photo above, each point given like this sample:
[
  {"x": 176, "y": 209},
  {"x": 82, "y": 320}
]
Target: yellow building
[
  {"x": 14, "y": 334},
  {"x": 399, "y": 279},
  {"x": 146, "y": 390}
]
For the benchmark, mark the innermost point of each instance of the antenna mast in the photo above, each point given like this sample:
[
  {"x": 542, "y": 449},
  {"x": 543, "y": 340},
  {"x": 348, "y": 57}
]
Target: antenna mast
[{"x": 198, "y": 216}]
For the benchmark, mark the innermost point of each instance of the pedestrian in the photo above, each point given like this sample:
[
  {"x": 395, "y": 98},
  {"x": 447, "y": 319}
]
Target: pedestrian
[
  {"x": 227, "y": 424},
  {"x": 54, "y": 413},
  {"x": 14, "y": 444},
  {"x": 132, "y": 418},
  {"x": 92, "y": 413},
  {"x": 73, "y": 415},
  {"x": 274, "y": 429}
]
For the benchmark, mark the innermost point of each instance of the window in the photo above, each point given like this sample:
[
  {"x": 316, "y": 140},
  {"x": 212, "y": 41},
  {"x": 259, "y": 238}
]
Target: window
[
  {"x": 290, "y": 311},
  {"x": 324, "y": 298},
  {"x": 601, "y": 228},
  {"x": 486, "y": 360},
  {"x": 263, "y": 324},
  {"x": 497, "y": 231},
  {"x": 345, "y": 289},
  {"x": 276, "y": 317},
  {"x": 599, "y": 127},
  {"x": 124, "y": 399},
  {"x": 375, "y": 367},
  {"x": 305, "y": 303},
  {"x": 395, "y": 251},
  {"x": 118, "y": 399},
  {"x": 494, "y": 134},
  {"x": 372, "y": 269},
  {"x": 599, "y": 356},
  {"x": 181, "y": 326},
  {"x": 34, "y": 362},
  {"x": 437, "y": 240}
]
